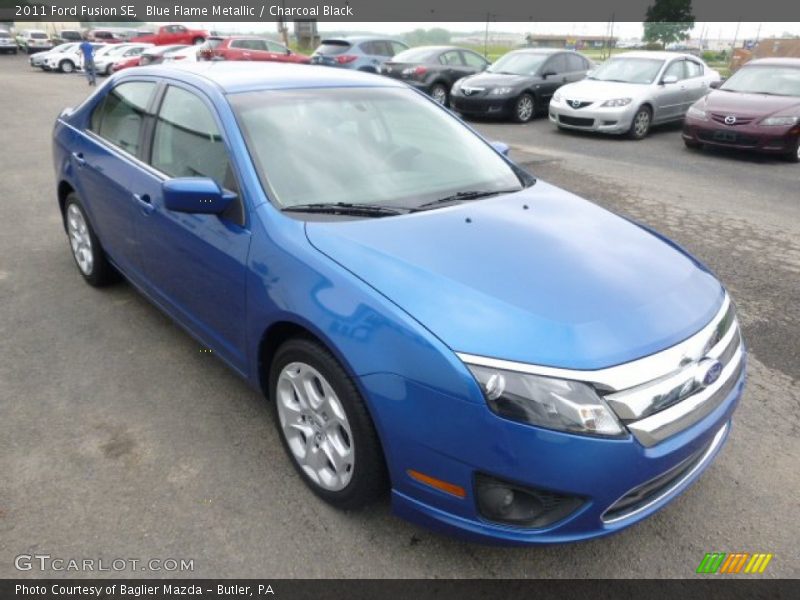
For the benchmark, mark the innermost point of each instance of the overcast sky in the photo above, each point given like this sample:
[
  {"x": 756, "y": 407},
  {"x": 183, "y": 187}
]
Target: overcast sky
[{"x": 621, "y": 30}]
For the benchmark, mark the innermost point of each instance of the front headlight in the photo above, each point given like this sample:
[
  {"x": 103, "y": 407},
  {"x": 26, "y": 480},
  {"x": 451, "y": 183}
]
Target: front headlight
[
  {"x": 556, "y": 97},
  {"x": 559, "y": 404},
  {"x": 501, "y": 91},
  {"x": 696, "y": 113},
  {"x": 617, "y": 102},
  {"x": 779, "y": 121}
]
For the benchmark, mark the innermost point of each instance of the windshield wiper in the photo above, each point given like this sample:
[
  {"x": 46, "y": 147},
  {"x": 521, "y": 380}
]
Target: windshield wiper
[
  {"x": 461, "y": 196},
  {"x": 346, "y": 208}
]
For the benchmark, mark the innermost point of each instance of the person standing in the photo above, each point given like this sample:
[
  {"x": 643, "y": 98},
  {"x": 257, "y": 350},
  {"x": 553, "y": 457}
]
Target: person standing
[{"x": 88, "y": 61}]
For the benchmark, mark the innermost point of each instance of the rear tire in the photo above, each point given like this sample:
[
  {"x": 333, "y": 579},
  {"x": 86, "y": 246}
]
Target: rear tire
[
  {"x": 89, "y": 255},
  {"x": 304, "y": 373},
  {"x": 640, "y": 126}
]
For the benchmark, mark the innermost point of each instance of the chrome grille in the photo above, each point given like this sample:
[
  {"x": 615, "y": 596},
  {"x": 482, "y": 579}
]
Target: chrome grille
[{"x": 657, "y": 409}]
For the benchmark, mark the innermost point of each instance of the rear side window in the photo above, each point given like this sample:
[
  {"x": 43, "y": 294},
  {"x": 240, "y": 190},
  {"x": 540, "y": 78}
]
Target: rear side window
[
  {"x": 187, "y": 141},
  {"x": 120, "y": 117}
]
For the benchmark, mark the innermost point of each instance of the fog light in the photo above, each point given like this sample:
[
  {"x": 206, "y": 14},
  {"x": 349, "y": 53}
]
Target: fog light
[{"x": 509, "y": 503}]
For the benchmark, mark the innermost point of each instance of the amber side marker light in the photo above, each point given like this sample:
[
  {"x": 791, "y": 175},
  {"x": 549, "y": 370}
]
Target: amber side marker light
[{"x": 442, "y": 486}]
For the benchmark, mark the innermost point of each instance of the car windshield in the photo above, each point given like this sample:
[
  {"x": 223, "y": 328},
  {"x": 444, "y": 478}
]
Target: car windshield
[
  {"x": 415, "y": 55},
  {"x": 369, "y": 146},
  {"x": 211, "y": 43},
  {"x": 518, "y": 63},
  {"x": 117, "y": 50},
  {"x": 628, "y": 70},
  {"x": 781, "y": 81},
  {"x": 64, "y": 48},
  {"x": 332, "y": 47},
  {"x": 38, "y": 36}
]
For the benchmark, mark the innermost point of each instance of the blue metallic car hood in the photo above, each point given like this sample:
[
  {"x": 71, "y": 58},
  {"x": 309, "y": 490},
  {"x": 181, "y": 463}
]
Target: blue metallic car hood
[{"x": 562, "y": 283}]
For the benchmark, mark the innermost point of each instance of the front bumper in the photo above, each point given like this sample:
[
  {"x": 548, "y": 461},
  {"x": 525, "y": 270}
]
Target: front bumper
[
  {"x": 600, "y": 471},
  {"x": 614, "y": 120},
  {"x": 770, "y": 140},
  {"x": 482, "y": 105}
]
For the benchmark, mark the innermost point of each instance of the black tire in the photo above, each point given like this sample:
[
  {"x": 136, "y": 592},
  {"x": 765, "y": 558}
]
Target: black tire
[
  {"x": 524, "y": 108},
  {"x": 370, "y": 479},
  {"x": 197, "y": 41},
  {"x": 108, "y": 70},
  {"x": 66, "y": 66},
  {"x": 794, "y": 155},
  {"x": 637, "y": 131},
  {"x": 440, "y": 94},
  {"x": 102, "y": 272},
  {"x": 692, "y": 145}
]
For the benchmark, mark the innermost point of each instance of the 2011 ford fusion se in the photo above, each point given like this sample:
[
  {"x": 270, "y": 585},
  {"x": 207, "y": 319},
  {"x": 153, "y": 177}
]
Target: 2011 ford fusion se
[{"x": 514, "y": 363}]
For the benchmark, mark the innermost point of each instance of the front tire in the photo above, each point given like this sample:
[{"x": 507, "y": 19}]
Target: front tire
[
  {"x": 640, "y": 126},
  {"x": 325, "y": 427},
  {"x": 86, "y": 249},
  {"x": 524, "y": 108},
  {"x": 197, "y": 41},
  {"x": 439, "y": 94},
  {"x": 67, "y": 66},
  {"x": 794, "y": 155}
]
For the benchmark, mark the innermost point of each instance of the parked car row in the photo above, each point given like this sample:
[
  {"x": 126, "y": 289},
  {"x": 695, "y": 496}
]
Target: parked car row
[{"x": 758, "y": 108}]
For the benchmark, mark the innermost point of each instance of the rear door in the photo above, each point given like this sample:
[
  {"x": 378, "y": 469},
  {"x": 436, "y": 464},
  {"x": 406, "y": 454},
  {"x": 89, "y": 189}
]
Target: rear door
[
  {"x": 576, "y": 67},
  {"x": 453, "y": 66},
  {"x": 195, "y": 263},
  {"x": 108, "y": 162}
]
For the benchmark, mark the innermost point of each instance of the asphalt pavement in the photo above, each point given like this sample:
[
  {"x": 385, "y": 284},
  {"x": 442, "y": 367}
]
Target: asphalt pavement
[{"x": 119, "y": 438}]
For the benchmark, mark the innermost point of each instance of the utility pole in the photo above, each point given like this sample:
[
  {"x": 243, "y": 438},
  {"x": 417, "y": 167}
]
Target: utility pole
[
  {"x": 735, "y": 36},
  {"x": 486, "y": 38}
]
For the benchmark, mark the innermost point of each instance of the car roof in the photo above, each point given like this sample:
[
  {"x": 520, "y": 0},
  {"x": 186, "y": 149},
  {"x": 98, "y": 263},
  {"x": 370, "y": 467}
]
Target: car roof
[
  {"x": 355, "y": 39},
  {"x": 538, "y": 50},
  {"x": 660, "y": 54},
  {"x": 243, "y": 76},
  {"x": 775, "y": 62}
]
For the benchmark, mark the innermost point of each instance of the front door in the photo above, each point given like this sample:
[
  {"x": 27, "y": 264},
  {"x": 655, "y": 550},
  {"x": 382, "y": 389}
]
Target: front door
[{"x": 196, "y": 263}]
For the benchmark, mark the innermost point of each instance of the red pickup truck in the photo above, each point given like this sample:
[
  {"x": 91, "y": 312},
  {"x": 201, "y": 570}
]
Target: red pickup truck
[{"x": 173, "y": 34}]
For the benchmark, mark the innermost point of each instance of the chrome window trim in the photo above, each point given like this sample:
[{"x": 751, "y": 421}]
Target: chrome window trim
[
  {"x": 720, "y": 435},
  {"x": 622, "y": 376}
]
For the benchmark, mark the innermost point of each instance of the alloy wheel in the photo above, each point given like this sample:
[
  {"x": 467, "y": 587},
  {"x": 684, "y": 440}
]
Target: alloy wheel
[
  {"x": 80, "y": 240},
  {"x": 641, "y": 123},
  {"x": 525, "y": 108},
  {"x": 439, "y": 93},
  {"x": 315, "y": 426}
]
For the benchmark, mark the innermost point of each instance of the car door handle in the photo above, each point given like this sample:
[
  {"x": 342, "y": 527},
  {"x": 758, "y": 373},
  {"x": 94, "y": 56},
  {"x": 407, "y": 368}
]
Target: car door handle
[
  {"x": 144, "y": 202},
  {"x": 78, "y": 158}
]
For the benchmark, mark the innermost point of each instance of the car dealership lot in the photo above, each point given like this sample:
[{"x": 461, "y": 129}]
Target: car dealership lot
[{"x": 120, "y": 437}]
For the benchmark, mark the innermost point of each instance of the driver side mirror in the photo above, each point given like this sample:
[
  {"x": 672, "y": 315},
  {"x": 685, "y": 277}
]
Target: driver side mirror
[
  {"x": 669, "y": 79},
  {"x": 200, "y": 195},
  {"x": 547, "y": 74},
  {"x": 501, "y": 147},
  {"x": 715, "y": 84}
]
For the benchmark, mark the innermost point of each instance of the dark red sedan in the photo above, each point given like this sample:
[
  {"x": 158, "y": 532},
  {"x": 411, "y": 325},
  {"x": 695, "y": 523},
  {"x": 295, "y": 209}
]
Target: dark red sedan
[
  {"x": 758, "y": 108},
  {"x": 248, "y": 48}
]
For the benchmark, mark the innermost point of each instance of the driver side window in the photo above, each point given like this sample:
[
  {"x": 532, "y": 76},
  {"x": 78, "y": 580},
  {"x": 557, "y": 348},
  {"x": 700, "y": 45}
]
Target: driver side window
[{"x": 676, "y": 69}]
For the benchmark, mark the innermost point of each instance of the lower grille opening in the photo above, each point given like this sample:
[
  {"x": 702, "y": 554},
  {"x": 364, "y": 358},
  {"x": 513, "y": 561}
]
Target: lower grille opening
[{"x": 576, "y": 121}]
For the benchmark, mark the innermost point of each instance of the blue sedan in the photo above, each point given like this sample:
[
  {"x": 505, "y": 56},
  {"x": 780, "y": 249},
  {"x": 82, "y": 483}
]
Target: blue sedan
[{"x": 512, "y": 362}]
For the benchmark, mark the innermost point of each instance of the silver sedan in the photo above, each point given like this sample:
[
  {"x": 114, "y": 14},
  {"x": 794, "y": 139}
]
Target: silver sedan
[{"x": 631, "y": 92}]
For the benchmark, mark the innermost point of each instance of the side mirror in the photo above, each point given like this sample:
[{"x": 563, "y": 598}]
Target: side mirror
[
  {"x": 289, "y": 52},
  {"x": 715, "y": 84},
  {"x": 669, "y": 79},
  {"x": 501, "y": 147},
  {"x": 547, "y": 74},
  {"x": 199, "y": 195}
]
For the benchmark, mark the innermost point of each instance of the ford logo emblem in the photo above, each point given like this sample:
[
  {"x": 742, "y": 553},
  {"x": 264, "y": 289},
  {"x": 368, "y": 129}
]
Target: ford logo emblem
[{"x": 713, "y": 369}]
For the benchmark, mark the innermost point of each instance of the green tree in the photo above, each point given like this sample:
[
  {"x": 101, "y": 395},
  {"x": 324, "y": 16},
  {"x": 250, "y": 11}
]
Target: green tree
[{"x": 668, "y": 21}]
